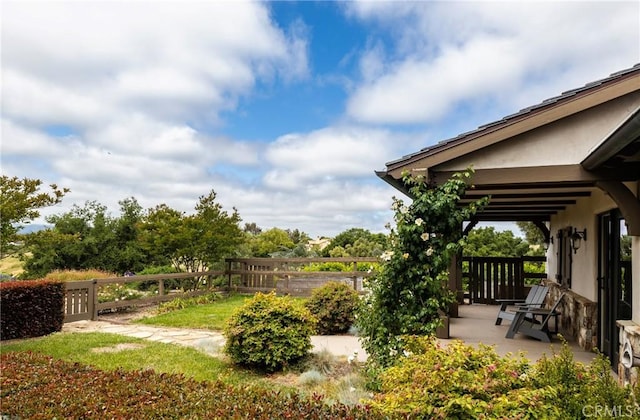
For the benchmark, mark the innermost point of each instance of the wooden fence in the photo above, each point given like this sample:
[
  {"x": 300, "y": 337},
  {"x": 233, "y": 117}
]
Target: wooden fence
[
  {"x": 82, "y": 297},
  {"x": 287, "y": 276},
  {"x": 249, "y": 275},
  {"x": 491, "y": 278}
]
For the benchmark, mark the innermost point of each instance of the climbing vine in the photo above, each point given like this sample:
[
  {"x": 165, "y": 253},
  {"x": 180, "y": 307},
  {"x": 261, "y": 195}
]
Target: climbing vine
[{"x": 410, "y": 291}]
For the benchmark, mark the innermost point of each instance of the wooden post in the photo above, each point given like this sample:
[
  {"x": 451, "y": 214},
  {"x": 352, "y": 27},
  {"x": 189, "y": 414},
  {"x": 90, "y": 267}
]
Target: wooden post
[
  {"x": 455, "y": 284},
  {"x": 355, "y": 277},
  {"x": 93, "y": 302},
  {"x": 160, "y": 287}
]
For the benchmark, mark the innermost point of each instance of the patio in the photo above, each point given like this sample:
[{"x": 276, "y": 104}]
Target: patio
[{"x": 476, "y": 325}]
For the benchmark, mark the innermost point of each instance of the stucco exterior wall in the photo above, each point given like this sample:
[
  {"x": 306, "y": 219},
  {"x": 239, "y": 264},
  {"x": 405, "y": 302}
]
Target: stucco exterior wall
[
  {"x": 565, "y": 142},
  {"x": 584, "y": 267}
]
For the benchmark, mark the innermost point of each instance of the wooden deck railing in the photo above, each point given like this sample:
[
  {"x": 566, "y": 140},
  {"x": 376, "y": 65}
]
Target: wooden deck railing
[{"x": 491, "y": 278}]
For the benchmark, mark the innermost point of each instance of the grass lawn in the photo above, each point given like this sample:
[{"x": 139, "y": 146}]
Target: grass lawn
[
  {"x": 111, "y": 352},
  {"x": 212, "y": 316}
]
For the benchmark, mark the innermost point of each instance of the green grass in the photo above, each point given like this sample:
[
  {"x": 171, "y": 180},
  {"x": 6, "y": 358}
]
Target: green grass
[
  {"x": 89, "y": 349},
  {"x": 212, "y": 316}
]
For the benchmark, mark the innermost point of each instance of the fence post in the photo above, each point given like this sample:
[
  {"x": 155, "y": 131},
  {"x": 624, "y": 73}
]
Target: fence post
[
  {"x": 160, "y": 287},
  {"x": 93, "y": 299},
  {"x": 355, "y": 277}
]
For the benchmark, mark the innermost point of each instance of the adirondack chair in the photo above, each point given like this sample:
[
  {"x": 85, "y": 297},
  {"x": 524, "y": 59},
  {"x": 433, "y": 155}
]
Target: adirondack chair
[
  {"x": 535, "y": 299},
  {"x": 540, "y": 330}
]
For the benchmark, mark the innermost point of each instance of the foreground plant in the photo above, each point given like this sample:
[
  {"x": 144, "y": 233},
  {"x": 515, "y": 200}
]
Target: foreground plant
[
  {"x": 410, "y": 291},
  {"x": 459, "y": 381},
  {"x": 269, "y": 332},
  {"x": 39, "y": 387}
]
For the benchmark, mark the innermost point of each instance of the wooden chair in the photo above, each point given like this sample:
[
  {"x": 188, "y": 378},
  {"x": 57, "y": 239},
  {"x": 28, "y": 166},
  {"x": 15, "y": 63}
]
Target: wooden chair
[
  {"x": 522, "y": 324},
  {"x": 535, "y": 299}
]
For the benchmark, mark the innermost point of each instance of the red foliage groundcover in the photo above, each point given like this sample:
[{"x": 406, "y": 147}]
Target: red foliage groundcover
[{"x": 39, "y": 387}]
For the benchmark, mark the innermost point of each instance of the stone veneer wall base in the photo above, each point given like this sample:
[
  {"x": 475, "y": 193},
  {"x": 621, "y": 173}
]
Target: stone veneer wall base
[
  {"x": 578, "y": 319},
  {"x": 629, "y": 331}
]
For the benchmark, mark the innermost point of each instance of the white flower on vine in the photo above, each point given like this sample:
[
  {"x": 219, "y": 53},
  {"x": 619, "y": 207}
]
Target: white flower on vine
[
  {"x": 404, "y": 209},
  {"x": 386, "y": 256},
  {"x": 424, "y": 236},
  {"x": 429, "y": 252},
  {"x": 405, "y": 255},
  {"x": 419, "y": 221}
]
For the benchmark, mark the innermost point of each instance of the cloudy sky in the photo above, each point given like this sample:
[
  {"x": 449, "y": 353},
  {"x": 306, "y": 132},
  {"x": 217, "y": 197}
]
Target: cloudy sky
[{"x": 285, "y": 109}]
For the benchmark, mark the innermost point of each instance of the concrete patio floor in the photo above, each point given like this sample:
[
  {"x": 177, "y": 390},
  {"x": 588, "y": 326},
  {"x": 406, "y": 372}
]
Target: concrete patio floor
[{"x": 476, "y": 324}]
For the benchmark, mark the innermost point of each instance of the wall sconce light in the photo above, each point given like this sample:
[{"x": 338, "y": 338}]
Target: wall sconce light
[
  {"x": 548, "y": 241},
  {"x": 576, "y": 238}
]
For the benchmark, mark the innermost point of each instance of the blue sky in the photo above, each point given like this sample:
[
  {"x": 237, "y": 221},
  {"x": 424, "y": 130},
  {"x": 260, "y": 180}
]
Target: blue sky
[{"x": 285, "y": 109}]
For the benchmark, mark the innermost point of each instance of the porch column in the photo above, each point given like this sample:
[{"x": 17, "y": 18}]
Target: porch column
[{"x": 455, "y": 283}]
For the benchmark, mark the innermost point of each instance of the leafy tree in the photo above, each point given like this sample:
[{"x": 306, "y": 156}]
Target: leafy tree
[
  {"x": 356, "y": 242},
  {"x": 297, "y": 236},
  {"x": 252, "y": 228},
  {"x": 487, "y": 242},
  {"x": 532, "y": 233},
  {"x": 192, "y": 242},
  {"x": 20, "y": 200},
  {"x": 410, "y": 291},
  {"x": 88, "y": 238},
  {"x": 272, "y": 241}
]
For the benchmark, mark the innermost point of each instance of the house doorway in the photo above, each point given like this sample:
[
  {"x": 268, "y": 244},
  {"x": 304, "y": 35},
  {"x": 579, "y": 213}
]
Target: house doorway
[{"x": 614, "y": 281}]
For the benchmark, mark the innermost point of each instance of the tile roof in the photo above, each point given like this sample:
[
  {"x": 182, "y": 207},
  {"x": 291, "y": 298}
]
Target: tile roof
[{"x": 545, "y": 103}]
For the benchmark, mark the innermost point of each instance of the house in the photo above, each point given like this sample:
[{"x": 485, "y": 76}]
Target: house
[{"x": 571, "y": 165}]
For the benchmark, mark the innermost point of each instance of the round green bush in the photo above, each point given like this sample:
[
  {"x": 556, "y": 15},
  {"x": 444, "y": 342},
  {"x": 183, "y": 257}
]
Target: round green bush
[
  {"x": 269, "y": 332},
  {"x": 334, "y": 305}
]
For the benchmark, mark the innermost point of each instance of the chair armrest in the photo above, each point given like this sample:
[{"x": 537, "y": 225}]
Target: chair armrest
[
  {"x": 511, "y": 301},
  {"x": 536, "y": 311}
]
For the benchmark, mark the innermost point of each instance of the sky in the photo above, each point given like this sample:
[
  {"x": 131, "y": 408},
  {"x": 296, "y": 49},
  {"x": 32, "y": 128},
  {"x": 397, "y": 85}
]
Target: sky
[{"x": 284, "y": 109}]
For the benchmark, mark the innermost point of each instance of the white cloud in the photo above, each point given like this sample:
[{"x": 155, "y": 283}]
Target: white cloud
[
  {"x": 478, "y": 50},
  {"x": 333, "y": 153}
]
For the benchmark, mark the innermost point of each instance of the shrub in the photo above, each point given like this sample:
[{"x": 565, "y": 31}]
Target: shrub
[
  {"x": 457, "y": 381},
  {"x": 269, "y": 332},
  {"x": 31, "y": 308},
  {"x": 334, "y": 305},
  {"x": 461, "y": 381},
  {"x": 38, "y": 387},
  {"x": 115, "y": 292}
]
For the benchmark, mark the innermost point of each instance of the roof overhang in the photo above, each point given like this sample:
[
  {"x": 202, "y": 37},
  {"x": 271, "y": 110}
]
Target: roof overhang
[{"x": 536, "y": 193}]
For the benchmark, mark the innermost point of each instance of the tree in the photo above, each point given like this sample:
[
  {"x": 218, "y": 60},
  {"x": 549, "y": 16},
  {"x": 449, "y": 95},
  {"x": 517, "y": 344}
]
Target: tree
[
  {"x": 272, "y": 241},
  {"x": 20, "y": 201},
  {"x": 487, "y": 242},
  {"x": 192, "y": 242},
  {"x": 87, "y": 238},
  {"x": 356, "y": 242},
  {"x": 532, "y": 233},
  {"x": 410, "y": 291}
]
